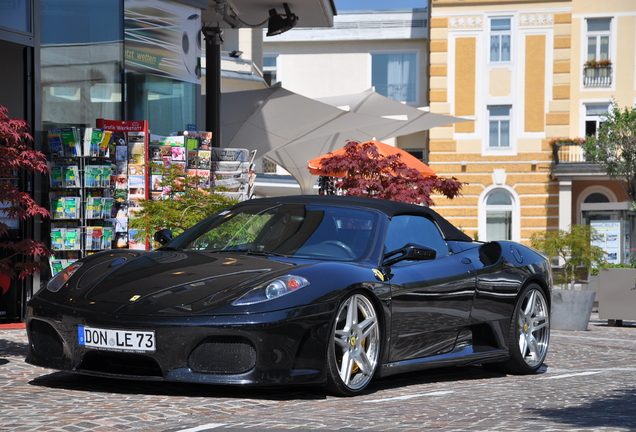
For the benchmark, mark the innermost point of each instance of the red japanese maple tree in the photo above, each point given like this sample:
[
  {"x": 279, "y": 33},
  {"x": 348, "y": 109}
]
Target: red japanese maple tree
[
  {"x": 16, "y": 156},
  {"x": 369, "y": 173}
]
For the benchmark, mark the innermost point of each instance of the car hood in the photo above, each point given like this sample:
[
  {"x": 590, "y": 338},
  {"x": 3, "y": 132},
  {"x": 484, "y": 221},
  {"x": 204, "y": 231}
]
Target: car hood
[{"x": 166, "y": 281}]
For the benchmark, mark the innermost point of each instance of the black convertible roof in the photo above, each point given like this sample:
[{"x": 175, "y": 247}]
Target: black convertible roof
[{"x": 390, "y": 208}]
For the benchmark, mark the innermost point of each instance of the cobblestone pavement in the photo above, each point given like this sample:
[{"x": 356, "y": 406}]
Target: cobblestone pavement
[{"x": 588, "y": 384}]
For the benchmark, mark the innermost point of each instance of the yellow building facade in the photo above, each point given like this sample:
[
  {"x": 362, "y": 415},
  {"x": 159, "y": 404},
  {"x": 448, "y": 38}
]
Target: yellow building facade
[{"x": 518, "y": 71}]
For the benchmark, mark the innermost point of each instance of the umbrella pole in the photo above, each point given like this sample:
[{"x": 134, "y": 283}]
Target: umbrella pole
[{"x": 213, "y": 42}]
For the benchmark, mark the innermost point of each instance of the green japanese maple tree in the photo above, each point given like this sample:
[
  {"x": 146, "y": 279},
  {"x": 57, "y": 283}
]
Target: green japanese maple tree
[
  {"x": 574, "y": 247},
  {"x": 187, "y": 201},
  {"x": 19, "y": 256}
]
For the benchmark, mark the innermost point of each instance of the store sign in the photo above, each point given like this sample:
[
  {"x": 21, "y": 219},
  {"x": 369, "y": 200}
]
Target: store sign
[{"x": 163, "y": 38}]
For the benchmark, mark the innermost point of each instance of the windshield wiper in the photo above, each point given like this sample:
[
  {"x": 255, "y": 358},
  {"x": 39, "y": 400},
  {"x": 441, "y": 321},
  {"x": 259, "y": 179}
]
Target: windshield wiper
[
  {"x": 247, "y": 251},
  {"x": 262, "y": 253}
]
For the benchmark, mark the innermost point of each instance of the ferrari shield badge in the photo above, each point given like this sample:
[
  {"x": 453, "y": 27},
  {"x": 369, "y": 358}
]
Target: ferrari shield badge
[{"x": 378, "y": 274}]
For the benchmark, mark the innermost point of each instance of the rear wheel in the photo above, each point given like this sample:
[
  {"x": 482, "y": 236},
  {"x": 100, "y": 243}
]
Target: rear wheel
[
  {"x": 529, "y": 332},
  {"x": 354, "y": 346}
]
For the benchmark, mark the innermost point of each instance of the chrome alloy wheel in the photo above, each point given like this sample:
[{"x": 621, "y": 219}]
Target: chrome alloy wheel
[
  {"x": 356, "y": 342},
  {"x": 533, "y": 327}
]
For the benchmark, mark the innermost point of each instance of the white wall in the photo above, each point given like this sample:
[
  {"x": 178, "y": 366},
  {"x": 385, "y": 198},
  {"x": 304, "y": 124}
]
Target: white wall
[{"x": 334, "y": 61}]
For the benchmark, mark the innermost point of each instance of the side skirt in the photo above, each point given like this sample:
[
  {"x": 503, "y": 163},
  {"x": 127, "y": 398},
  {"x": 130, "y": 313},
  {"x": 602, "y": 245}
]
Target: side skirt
[{"x": 459, "y": 357}]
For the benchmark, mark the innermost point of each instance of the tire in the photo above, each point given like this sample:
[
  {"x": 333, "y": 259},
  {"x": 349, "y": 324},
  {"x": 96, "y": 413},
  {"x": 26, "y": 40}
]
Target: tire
[
  {"x": 529, "y": 333},
  {"x": 353, "y": 350}
]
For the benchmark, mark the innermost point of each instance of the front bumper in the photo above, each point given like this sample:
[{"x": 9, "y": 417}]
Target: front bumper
[{"x": 274, "y": 348}]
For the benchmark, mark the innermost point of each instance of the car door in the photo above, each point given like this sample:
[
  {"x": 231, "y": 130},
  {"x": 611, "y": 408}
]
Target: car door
[{"x": 431, "y": 300}]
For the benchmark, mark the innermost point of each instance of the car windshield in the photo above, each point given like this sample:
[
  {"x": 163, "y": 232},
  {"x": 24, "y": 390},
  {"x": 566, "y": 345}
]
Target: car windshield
[{"x": 290, "y": 230}]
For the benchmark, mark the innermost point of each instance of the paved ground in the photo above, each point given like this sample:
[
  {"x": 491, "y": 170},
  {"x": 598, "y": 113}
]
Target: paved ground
[{"x": 589, "y": 384}]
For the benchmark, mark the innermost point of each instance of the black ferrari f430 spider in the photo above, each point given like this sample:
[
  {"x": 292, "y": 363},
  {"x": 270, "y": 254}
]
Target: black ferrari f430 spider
[{"x": 325, "y": 290}]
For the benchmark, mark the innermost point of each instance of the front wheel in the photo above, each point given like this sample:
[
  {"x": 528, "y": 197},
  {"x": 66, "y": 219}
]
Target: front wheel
[
  {"x": 529, "y": 332},
  {"x": 354, "y": 346}
]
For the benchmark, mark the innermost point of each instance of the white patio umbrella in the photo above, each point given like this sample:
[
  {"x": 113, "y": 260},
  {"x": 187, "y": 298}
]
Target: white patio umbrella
[
  {"x": 265, "y": 119},
  {"x": 293, "y": 156},
  {"x": 374, "y": 104}
]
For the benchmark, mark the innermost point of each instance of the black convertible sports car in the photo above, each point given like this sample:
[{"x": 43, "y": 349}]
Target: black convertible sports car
[{"x": 298, "y": 290}]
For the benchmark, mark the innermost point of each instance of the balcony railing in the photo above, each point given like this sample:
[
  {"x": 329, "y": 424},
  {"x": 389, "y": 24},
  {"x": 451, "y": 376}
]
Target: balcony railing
[
  {"x": 568, "y": 153},
  {"x": 597, "y": 76}
]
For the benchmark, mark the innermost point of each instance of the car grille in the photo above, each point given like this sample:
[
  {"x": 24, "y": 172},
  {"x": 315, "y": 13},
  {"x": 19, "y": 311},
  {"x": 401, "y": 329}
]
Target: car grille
[
  {"x": 225, "y": 355},
  {"x": 120, "y": 364},
  {"x": 45, "y": 341}
]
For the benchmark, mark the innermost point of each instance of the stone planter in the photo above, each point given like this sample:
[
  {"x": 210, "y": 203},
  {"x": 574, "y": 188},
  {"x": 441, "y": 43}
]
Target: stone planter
[
  {"x": 593, "y": 285},
  {"x": 571, "y": 309}
]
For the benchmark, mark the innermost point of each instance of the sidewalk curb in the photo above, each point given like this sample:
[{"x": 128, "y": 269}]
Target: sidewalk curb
[{"x": 13, "y": 326}]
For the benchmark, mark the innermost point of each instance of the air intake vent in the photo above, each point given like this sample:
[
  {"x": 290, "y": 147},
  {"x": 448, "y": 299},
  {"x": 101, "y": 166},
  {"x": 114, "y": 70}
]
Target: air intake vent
[
  {"x": 227, "y": 355},
  {"x": 120, "y": 364},
  {"x": 45, "y": 341}
]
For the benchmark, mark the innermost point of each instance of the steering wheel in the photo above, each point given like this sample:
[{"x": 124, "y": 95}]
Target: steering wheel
[{"x": 342, "y": 246}]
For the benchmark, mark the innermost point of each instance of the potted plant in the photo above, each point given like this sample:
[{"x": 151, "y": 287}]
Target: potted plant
[
  {"x": 571, "y": 149},
  {"x": 598, "y": 63},
  {"x": 575, "y": 250}
]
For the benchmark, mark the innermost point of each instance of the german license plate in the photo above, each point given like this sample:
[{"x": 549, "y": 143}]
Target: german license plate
[{"x": 119, "y": 340}]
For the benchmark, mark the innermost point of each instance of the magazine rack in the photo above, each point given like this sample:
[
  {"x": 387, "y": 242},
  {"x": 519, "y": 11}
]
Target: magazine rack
[
  {"x": 80, "y": 194},
  {"x": 99, "y": 178}
]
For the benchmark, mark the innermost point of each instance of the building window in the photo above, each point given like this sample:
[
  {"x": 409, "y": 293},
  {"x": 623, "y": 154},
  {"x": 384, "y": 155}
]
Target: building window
[
  {"x": 499, "y": 126},
  {"x": 269, "y": 167},
  {"x": 499, "y": 208},
  {"x": 597, "y": 71},
  {"x": 598, "y": 39},
  {"x": 597, "y": 197},
  {"x": 593, "y": 117},
  {"x": 416, "y": 153},
  {"x": 500, "y": 36},
  {"x": 395, "y": 76},
  {"x": 270, "y": 69}
]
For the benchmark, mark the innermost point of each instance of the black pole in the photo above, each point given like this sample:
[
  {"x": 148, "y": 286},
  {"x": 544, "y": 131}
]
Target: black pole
[{"x": 213, "y": 42}]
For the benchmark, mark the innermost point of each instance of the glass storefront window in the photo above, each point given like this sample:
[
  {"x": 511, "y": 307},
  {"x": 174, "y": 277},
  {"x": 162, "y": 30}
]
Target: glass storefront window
[
  {"x": 83, "y": 53},
  {"x": 81, "y": 61},
  {"x": 616, "y": 228},
  {"x": 168, "y": 105},
  {"x": 16, "y": 15}
]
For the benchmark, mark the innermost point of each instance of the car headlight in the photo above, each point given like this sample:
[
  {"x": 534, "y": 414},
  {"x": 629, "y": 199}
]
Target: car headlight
[
  {"x": 272, "y": 290},
  {"x": 62, "y": 277}
]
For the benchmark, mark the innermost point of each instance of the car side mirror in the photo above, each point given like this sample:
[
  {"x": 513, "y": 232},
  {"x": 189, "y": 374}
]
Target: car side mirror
[
  {"x": 410, "y": 251},
  {"x": 163, "y": 236}
]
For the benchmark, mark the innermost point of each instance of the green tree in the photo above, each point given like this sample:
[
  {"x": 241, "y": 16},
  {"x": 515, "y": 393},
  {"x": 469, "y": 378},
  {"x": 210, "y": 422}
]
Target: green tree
[
  {"x": 187, "y": 202},
  {"x": 16, "y": 157},
  {"x": 614, "y": 147},
  {"x": 575, "y": 247}
]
